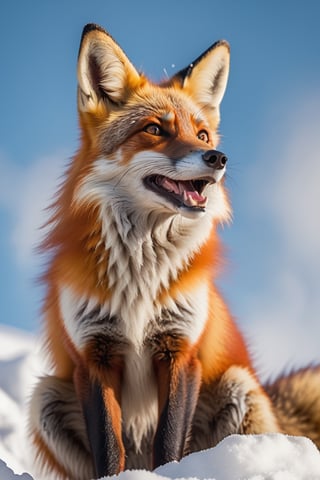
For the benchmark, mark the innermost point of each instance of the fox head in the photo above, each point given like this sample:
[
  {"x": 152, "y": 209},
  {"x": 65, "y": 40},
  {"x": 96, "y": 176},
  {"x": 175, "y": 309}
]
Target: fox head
[{"x": 150, "y": 149}]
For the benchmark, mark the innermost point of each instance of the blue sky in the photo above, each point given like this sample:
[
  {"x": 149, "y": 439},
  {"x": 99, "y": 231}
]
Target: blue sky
[{"x": 270, "y": 131}]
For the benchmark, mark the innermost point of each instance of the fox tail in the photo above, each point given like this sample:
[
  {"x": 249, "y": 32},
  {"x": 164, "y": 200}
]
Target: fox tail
[{"x": 296, "y": 398}]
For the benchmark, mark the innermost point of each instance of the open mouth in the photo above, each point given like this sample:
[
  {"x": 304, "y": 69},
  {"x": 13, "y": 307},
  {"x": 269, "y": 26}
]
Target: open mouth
[{"x": 182, "y": 193}]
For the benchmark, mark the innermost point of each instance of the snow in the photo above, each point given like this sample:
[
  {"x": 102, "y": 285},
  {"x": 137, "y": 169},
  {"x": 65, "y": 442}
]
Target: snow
[{"x": 238, "y": 457}]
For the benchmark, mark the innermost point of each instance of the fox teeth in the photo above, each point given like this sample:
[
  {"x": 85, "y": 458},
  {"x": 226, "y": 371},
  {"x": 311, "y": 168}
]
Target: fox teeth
[
  {"x": 191, "y": 202},
  {"x": 188, "y": 200},
  {"x": 182, "y": 190},
  {"x": 170, "y": 186}
]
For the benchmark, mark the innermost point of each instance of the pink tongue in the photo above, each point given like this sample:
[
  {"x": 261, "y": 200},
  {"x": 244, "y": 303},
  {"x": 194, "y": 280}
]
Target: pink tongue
[
  {"x": 170, "y": 185},
  {"x": 194, "y": 195},
  {"x": 185, "y": 189},
  {"x": 194, "y": 199}
]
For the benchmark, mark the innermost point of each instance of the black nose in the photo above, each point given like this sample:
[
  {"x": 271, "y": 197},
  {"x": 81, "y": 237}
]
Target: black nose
[{"x": 215, "y": 159}]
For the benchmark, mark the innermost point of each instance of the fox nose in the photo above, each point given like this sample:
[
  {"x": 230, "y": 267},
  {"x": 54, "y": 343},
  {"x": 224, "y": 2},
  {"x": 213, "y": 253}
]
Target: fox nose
[{"x": 215, "y": 159}]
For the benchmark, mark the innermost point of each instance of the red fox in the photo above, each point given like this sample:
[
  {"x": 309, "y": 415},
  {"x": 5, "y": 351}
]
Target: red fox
[{"x": 147, "y": 362}]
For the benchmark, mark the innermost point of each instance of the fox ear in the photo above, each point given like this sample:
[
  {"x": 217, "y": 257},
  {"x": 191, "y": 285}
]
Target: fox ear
[
  {"x": 205, "y": 79},
  {"x": 104, "y": 72}
]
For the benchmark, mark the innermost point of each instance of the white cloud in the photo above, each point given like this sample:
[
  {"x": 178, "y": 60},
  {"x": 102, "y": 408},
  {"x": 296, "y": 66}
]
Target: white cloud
[
  {"x": 25, "y": 193},
  {"x": 283, "y": 324},
  {"x": 283, "y": 317},
  {"x": 296, "y": 199},
  {"x": 9, "y": 183}
]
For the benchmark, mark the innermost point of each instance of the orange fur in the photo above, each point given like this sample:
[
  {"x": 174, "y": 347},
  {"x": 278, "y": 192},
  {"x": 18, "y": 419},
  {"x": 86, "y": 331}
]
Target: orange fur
[
  {"x": 80, "y": 259},
  {"x": 143, "y": 347}
]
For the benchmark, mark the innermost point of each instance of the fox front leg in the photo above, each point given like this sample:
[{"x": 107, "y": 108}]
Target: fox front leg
[
  {"x": 178, "y": 375},
  {"x": 99, "y": 390}
]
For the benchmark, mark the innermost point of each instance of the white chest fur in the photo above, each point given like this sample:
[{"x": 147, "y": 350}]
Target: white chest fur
[
  {"x": 138, "y": 268},
  {"x": 85, "y": 319}
]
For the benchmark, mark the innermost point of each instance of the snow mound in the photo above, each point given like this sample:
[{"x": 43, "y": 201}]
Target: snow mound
[
  {"x": 7, "y": 474},
  {"x": 238, "y": 457},
  {"x": 254, "y": 457}
]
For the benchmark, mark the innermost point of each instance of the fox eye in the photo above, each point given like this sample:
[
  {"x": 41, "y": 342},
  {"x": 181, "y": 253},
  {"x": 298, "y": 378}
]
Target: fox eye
[
  {"x": 203, "y": 136},
  {"x": 153, "y": 129}
]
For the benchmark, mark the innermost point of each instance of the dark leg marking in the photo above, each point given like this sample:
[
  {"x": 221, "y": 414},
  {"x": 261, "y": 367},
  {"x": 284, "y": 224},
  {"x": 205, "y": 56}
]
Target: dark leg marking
[
  {"x": 98, "y": 382},
  {"x": 178, "y": 373}
]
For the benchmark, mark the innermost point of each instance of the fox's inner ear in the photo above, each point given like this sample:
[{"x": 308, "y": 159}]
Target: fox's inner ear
[
  {"x": 205, "y": 79},
  {"x": 104, "y": 72}
]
